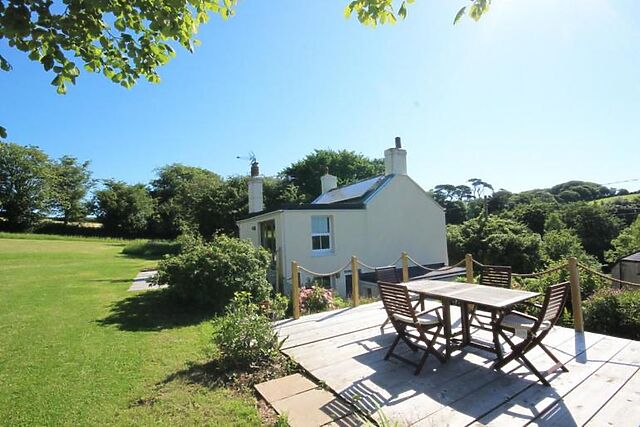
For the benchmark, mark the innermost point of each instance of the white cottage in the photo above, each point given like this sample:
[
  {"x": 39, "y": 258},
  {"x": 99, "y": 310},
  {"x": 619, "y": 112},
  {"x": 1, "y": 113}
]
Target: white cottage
[{"x": 375, "y": 219}]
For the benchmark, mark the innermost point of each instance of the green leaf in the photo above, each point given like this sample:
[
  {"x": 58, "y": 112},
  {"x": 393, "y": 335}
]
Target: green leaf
[
  {"x": 4, "y": 64},
  {"x": 3, "y": 132},
  {"x": 402, "y": 12},
  {"x": 459, "y": 15}
]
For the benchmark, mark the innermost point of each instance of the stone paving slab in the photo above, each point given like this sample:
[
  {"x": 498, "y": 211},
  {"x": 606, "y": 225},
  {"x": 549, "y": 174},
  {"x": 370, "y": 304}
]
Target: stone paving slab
[
  {"x": 305, "y": 403},
  {"x": 144, "y": 280}
]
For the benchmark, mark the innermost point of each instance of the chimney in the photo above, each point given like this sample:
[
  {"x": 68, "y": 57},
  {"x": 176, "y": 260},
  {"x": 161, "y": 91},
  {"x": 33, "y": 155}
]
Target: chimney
[
  {"x": 395, "y": 159},
  {"x": 256, "y": 203},
  {"x": 328, "y": 182}
]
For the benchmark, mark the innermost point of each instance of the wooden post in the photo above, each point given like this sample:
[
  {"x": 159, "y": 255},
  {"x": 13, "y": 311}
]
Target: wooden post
[
  {"x": 468, "y": 263},
  {"x": 405, "y": 266},
  {"x": 295, "y": 289},
  {"x": 576, "y": 299},
  {"x": 355, "y": 289}
]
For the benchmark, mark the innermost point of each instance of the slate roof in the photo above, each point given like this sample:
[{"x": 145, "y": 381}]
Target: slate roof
[{"x": 633, "y": 257}]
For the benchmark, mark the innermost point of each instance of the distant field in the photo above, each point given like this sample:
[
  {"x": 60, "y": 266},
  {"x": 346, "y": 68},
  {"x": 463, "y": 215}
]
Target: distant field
[
  {"x": 634, "y": 196},
  {"x": 77, "y": 349}
]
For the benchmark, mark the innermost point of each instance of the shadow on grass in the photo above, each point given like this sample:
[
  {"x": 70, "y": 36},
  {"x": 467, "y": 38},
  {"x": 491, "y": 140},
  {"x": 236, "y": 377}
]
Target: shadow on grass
[
  {"x": 152, "y": 311},
  {"x": 217, "y": 373},
  {"x": 111, "y": 281}
]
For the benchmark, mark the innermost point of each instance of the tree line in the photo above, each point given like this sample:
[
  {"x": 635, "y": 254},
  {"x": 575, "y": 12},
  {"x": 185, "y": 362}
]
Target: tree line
[
  {"x": 527, "y": 230},
  {"x": 534, "y": 229},
  {"x": 34, "y": 189}
]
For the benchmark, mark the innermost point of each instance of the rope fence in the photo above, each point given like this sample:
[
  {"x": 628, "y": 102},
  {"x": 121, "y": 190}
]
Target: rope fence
[
  {"x": 332, "y": 273},
  {"x": 446, "y": 268},
  {"x": 572, "y": 266},
  {"x": 608, "y": 278},
  {"x": 541, "y": 273}
]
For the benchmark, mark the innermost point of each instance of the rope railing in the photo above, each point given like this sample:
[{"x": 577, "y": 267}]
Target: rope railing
[
  {"x": 605, "y": 277},
  {"x": 478, "y": 263},
  {"x": 572, "y": 266},
  {"x": 540, "y": 273},
  {"x": 332, "y": 273},
  {"x": 445, "y": 268},
  {"x": 353, "y": 264}
]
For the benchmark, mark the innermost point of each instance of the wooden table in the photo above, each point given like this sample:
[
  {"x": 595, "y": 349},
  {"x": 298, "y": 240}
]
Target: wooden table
[{"x": 464, "y": 294}]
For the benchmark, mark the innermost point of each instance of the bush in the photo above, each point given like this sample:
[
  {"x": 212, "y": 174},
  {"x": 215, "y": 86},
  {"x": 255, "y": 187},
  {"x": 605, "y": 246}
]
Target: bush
[
  {"x": 209, "y": 274},
  {"x": 244, "y": 336},
  {"x": 496, "y": 240},
  {"x": 275, "y": 308},
  {"x": 614, "y": 312},
  {"x": 152, "y": 249},
  {"x": 316, "y": 299}
]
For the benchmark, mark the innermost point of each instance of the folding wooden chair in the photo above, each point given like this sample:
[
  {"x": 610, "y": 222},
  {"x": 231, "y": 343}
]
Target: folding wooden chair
[
  {"x": 490, "y": 275},
  {"x": 387, "y": 274},
  {"x": 390, "y": 275},
  {"x": 533, "y": 330},
  {"x": 403, "y": 317}
]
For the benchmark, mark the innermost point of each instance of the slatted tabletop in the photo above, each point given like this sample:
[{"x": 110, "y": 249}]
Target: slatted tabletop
[{"x": 470, "y": 293}]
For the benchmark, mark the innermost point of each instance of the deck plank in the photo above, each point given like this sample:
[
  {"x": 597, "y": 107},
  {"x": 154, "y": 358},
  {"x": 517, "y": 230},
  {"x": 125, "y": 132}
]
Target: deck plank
[
  {"x": 592, "y": 394},
  {"x": 623, "y": 409},
  {"x": 530, "y": 403},
  {"x": 499, "y": 387},
  {"x": 345, "y": 350}
]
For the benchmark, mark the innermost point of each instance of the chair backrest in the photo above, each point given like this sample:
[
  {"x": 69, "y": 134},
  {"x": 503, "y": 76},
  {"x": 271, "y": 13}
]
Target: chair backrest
[
  {"x": 496, "y": 275},
  {"x": 553, "y": 304},
  {"x": 395, "y": 299},
  {"x": 387, "y": 275}
]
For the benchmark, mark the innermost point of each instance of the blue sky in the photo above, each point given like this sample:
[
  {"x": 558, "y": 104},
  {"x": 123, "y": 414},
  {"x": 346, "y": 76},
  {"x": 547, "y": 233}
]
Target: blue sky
[{"x": 536, "y": 93}]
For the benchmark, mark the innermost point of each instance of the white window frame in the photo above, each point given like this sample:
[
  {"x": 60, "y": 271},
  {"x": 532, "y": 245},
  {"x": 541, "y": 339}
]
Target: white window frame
[{"x": 330, "y": 249}]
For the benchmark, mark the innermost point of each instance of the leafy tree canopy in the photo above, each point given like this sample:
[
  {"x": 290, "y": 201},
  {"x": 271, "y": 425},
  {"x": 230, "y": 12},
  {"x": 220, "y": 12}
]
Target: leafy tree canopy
[
  {"x": 626, "y": 243},
  {"x": 124, "y": 40},
  {"x": 124, "y": 209},
  {"x": 179, "y": 192},
  {"x": 379, "y": 12},
  {"x": 71, "y": 182},
  {"x": 348, "y": 166},
  {"x": 594, "y": 224},
  {"x": 495, "y": 240},
  {"x": 24, "y": 185},
  {"x": 574, "y": 191}
]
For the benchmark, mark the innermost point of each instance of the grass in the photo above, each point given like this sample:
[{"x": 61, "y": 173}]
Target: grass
[
  {"x": 76, "y": 348},
  {"x": 627, "y": 197}
]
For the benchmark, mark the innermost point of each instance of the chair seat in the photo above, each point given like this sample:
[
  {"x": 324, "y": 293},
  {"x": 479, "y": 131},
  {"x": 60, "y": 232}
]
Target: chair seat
[
  {"x": 423, "y": 319},
  {"x": 517, "y": 321}
]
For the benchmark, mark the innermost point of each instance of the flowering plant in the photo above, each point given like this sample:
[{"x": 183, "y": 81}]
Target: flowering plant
[{"x": 316, "y": 299}]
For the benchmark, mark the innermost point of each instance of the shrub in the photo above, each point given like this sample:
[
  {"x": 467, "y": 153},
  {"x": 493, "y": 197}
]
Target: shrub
[
  {"x": 614, "y": 312},
  {"x": 316, "y": 299},
  {"x": 244, "y": 335},
  {"x": 152, "y": 249},
  {"x": 209, "y": 274},
  {"x": 496, "y": 240},
  {"x": 275, "y": 308}
]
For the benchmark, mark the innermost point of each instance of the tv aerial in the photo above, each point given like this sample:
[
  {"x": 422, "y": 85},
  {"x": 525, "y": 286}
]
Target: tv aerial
[{"x": 251, "y": 157}]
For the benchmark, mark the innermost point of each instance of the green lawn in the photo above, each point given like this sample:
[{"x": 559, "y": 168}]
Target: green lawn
[{"x": 76, "y": 348}]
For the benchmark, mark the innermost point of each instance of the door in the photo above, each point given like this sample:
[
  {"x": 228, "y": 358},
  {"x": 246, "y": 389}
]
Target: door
[{"x": 268, "y": 241}]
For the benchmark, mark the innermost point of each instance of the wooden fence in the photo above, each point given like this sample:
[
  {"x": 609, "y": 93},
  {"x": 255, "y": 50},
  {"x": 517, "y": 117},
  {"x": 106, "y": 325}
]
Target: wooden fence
[{"x": 572, "y": 266}]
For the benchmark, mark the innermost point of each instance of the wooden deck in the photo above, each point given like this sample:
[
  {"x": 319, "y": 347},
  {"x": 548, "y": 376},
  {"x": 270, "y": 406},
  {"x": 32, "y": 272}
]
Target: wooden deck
[{"x": 345, "y": 348}]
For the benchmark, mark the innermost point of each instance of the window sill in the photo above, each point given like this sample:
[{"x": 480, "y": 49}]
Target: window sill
[{"x": 322, "y": 252}]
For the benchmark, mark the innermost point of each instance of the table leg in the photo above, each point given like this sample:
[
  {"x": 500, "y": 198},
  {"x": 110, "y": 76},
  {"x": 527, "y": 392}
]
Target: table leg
[
  {"x": 446, "y": 313},
  {"x": 466, "y": 323},
  {"x": 496, "y": 336}
]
